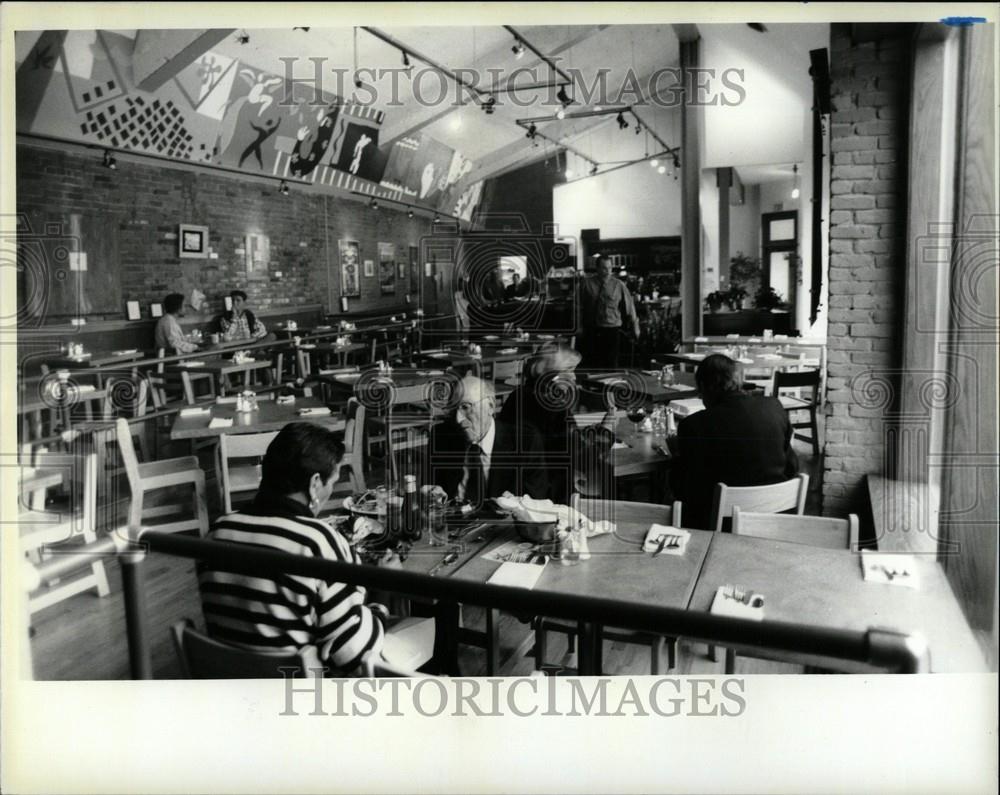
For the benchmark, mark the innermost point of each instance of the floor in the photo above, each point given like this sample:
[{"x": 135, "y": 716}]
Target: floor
[{"x": 83, "y": 638}]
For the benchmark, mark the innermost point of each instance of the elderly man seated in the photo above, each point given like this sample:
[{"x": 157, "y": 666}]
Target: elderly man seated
[
  {"x": 739, "y": 440},
  {"x": 475, "y": 456}
]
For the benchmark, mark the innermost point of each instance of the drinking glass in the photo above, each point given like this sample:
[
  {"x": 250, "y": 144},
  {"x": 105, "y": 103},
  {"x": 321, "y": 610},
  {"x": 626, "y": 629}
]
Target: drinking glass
[
  {"x": 667, "y": 375},
  {"x": 637, "y": 415},
  {"x": 437, "y": 528}
]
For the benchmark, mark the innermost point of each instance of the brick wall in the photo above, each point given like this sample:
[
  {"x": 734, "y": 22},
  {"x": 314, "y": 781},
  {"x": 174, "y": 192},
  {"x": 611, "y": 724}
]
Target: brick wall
[
  {"x": 131, "y": 215},
  {"x": 867, "y": 251}
]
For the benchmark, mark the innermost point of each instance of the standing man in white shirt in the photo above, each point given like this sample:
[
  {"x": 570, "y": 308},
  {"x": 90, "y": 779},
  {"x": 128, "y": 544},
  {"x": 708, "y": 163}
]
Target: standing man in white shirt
[{"x": 607, "y": 311}]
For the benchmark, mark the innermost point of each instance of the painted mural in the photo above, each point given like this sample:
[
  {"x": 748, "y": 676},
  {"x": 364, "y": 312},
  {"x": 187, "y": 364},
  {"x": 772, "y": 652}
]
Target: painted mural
[{"x": 79, "y": 85}]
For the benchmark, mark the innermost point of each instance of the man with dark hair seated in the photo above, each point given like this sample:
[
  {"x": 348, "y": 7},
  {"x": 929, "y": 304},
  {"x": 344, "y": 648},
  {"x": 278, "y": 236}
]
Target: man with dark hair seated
[
  {"x": 739, "y": 439},
  {"x": 168, "y": 333},
  {"x": 239, "y": 323},
  {"x": 286, "y": 613}
]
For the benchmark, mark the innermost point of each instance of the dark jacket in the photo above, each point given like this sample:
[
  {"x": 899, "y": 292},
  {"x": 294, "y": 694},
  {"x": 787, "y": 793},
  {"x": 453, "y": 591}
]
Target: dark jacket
[
  {"x": 554, "y": 423},
  {"x": 742, "y": 441},
  {"x": 516, "y": 463}
]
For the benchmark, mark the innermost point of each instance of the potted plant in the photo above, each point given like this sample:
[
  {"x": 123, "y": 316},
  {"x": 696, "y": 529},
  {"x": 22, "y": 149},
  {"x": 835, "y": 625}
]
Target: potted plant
[
  {"x": 715, "y": 300},
  {"x": 744, "y": 274},
  {"x": 767, "y": 298},
  {"x": 734, "y": 297}
]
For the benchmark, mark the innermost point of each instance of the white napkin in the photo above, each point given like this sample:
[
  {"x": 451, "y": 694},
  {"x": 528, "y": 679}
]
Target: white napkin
[
  {"x": 726, "y": 605},
  {"x": 507, "y": 350},
  {"x": 314, "y": 411},
  {"x": 889, "y": 568},
  {"x": 658, "y": 531},
  {"x": 754, "y": 339},
  {"x": 780, "y": 336},
  {"x": 686, "y": 407},
  {"x": 125, "y": 353},
  {"x": 197, "y": 363},
  {"x": 744, "y": 360},
  {"x": 695, "y": 356},
  {"x": 701, "y": 339},
  {"x": 192, "y": 411},
  {"x": 619, "y": 446},
  {"x": 518, "y": 575},
  {"x": 229, "y": 400},
  {"x": 527, "y": 509},
  {"x": 221, "y": 422},
  {"x": 732, "y": 336}
]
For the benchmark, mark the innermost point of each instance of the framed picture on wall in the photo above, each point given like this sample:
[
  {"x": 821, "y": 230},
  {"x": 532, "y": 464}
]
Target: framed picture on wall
[
  {"x": 369, "y": 269},
  {"x": 156, "y": 310},
  {"x": 258, "y": 255},
  {"x": 192, "y": 241},
  {"x": 132, "y": 311},
  {"x": 350, "y": 264},
  {"x": 414, "y": 269},
  {"x": 387, "y": 268},
  {"x": 401, "y": 272}
]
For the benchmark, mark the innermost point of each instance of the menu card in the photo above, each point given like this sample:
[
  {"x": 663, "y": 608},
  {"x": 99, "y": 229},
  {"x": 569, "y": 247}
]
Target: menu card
[
  {"x": 221, "y": 422},
  {"x": 518, "y": 575}
]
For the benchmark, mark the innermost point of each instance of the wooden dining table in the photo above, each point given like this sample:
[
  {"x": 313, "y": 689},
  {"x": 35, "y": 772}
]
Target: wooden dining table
[
  {"x": 220, "y": 369},
  {"x": 269, "y": 416},
  {"x": 801, "y": 584},
  {"x": 635, "y": 383}
]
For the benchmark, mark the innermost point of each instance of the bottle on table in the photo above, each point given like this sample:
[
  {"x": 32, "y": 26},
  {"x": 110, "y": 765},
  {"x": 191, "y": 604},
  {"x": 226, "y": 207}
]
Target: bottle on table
[{"x": 410, "y": 524}]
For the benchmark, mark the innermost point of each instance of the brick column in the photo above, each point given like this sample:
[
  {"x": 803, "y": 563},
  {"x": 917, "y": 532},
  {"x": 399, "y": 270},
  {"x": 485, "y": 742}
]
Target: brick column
[{"x": 867, "y": 252}]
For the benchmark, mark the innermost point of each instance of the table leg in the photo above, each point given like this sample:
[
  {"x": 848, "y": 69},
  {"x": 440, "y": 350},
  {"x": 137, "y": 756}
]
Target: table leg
[{"x": 492, "y": 641}]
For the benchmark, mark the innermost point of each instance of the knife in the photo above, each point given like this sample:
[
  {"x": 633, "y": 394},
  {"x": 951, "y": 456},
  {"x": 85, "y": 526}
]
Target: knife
[{"x": 447, "y": 560}]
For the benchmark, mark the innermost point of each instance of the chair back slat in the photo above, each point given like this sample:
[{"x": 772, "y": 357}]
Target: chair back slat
[
  {"x": 127, "y": 449},
  {"x": 790, "y": 379},
  {"x": 236, "y": 446},
  {"x": 631, "y": 512},
  {"x": 202, "y": 657},
  {"x": 815, "y": 531},
  {"x": 791, "y": 494}
]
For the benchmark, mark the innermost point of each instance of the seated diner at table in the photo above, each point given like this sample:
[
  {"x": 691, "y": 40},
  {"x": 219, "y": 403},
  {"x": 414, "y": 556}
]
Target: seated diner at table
[
  {"x": 168, "y": 334},
  {"x": 738, "y": 439},
  {"x": 240, "y": 323},
  {"x": 546, "y": 399},
  {"x": 476, "y": 456},
  {"x": 283, "y": 613}
]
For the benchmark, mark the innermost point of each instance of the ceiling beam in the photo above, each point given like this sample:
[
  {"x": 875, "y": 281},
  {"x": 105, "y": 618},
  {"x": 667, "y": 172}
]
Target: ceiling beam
[
  {"x": 158, "y": 55},
  {"x": 414, "y": 127}
]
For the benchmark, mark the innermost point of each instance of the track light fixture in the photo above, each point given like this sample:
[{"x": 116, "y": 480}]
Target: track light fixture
[
  {"x": 563, "y": 97},
  {"x": 488, "y": 104},
  {"x": 654, "y": 162},
  {"x": 109, "y": 160},
  {"x": 406, "y": 59},
  {"x": 517, "y": 49},
  {"x": 373, "y": 204},
  {"x": 532, "y": 132},
  {"x": 436, "y": 217},
  {"x": 593, "y": 169},
  {"x": 622, "y": 124},
  {"x": 283, "y": 188},
  {"x": 243, "y": 38},
  {"x": 409, "y": 213},
  {"x": 795, "y": 190}
]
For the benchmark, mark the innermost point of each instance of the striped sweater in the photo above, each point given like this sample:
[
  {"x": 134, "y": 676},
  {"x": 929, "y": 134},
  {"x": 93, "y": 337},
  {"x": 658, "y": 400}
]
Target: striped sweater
[{"x": 287, "y": 612}]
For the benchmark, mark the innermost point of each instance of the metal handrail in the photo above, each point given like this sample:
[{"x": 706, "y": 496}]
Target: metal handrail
[{"x": 883, "y": 649}]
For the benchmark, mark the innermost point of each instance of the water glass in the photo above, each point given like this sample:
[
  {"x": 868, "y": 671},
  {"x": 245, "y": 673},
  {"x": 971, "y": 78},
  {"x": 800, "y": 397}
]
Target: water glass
[
  {"x": 437, "y": 527},
  {"x": 667, "y": 375}
]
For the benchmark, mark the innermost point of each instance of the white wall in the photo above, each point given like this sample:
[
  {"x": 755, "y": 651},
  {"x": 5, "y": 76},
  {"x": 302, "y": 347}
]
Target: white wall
[
  {"x": 632, "y": 202},
  {"x": 744, "y": 230}
]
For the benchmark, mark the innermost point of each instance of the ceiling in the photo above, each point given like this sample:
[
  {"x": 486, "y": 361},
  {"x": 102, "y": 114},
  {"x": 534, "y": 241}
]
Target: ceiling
[{"x": 494, "y": 142}]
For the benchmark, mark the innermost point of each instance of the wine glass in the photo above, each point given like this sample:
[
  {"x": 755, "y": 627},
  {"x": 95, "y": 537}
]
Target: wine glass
[{"x": 637, "y": 414}]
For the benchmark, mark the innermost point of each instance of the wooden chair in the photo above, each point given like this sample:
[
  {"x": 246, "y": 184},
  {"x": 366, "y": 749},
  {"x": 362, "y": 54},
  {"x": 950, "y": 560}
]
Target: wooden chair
[
  {"x": 154, "y": 475},
  {"x": 815, "y": 531},
  {"x": 785, "y": 496},
  {"x": 41, "y": 530},
  {"x": 186, "y": 380},
  {"x": 807, "y": 379},
  {"x": 245, "y": 476},
  {"x": 354, "y": 445},
  {"x": 410, "y": 424},
  {"x": 201, "y": 657},
  {"x": 617, "y": 511}
]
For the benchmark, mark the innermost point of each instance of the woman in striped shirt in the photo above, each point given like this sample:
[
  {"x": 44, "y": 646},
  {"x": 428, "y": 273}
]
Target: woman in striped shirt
[{"x": 287, "y": 612}]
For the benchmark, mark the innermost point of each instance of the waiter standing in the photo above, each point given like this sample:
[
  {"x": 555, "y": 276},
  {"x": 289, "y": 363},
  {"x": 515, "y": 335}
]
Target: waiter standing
[{"x": 607, "y": 310}]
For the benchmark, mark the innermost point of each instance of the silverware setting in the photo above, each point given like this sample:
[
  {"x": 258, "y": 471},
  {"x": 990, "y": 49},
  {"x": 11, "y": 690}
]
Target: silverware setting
[
  {"x": 667, "y": 542},
  {"x": 891, "y": 572},
  {"x": 744, "y": 597},
  {"x": 447, "y": 560}
]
